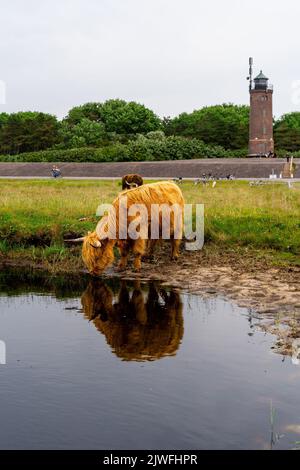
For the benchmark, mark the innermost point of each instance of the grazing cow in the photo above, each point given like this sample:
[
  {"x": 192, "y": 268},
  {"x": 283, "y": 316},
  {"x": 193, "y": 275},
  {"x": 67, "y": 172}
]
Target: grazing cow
[
  {"x": 98, "y": 246},
  {"x": 136, "y": 327},
  {"x": 131, "y": 181}
]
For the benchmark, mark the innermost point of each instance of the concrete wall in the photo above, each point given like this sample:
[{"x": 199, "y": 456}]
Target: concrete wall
[{"x": 219, "y": 167}]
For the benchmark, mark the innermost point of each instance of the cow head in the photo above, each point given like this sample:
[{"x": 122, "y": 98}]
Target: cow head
[
  {"x": 98, "y": 247},
  {"x": 97, "y": 254},
  {"x": 131, "y": 181}
]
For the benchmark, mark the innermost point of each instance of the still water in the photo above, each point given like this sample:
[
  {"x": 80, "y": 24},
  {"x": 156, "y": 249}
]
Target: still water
[{"x": 116, "y": 365}]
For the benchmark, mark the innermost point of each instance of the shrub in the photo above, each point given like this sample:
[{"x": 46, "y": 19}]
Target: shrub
[{"x": 141, "y": 149}]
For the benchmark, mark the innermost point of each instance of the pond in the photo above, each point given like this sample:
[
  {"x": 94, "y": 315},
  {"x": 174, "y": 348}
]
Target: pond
[{"x": 94, "y": 364}]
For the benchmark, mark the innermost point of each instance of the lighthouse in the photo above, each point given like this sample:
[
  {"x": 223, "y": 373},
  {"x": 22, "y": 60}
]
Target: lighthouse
[{"x": 261, "y": 116}]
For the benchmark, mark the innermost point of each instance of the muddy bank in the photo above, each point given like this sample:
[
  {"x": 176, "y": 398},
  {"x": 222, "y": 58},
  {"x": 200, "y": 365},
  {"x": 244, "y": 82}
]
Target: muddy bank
[{"x": 271, "y": 293}]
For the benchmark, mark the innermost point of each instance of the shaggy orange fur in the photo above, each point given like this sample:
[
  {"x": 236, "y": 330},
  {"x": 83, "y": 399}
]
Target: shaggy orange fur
[
  {"x": 96, "y": 258},
  {"x": 97, "y": 249}
]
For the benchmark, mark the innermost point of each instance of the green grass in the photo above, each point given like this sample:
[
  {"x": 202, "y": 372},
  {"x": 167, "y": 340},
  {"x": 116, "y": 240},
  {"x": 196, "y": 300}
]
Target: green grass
[
  {"x": 35, "y": 216},
  {"x": 265, "y": 217}
]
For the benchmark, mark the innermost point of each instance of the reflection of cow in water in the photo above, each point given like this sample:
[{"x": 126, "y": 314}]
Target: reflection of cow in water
[{"x": 137, "y": 327}]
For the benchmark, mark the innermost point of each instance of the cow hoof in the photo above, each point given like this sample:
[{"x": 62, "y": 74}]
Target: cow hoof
[
  {"x": 121, "y": 268},
  {"x": 148, "y": 258}
]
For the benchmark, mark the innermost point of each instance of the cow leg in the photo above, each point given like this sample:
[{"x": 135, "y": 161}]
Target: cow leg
[
  {"x": 152, "y": 244},
  {"x": 175, "y": 245},
  {"x": 124, "y": 250},
  {"x": 175, "y": 242},
  {"x": 150, "y": 250},
  {"x": 139, "y": 249}
]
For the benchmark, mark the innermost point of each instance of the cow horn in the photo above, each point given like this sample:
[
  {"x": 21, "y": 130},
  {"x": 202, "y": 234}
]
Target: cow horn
[
  {"x": 131, "y": 185},
  {"x": 96, "y": 244},
  {"x": 75, "y": 240}
]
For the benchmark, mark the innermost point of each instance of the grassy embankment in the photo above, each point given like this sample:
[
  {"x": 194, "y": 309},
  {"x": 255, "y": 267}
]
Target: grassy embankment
[{"x": 258, "y": 224}]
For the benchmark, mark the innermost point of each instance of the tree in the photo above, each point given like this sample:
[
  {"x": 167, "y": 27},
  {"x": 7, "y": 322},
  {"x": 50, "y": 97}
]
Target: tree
[
  {"x": 291, "y": 120},
  {"x": 85, "y": 133},
  {"x": 91, "y": 111},
  {"x": 128, "y": 118},
  {"x": 118, "y": 116},
  {"x": 287, "y": 132},
  {"x": 27, "y": 132},
  {"x": 226, "y": 125},
  {"x": 3, "y": 119}
]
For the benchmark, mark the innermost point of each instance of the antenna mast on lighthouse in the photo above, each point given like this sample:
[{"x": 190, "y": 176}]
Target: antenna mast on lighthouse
[{"x": 250, "y": 73}]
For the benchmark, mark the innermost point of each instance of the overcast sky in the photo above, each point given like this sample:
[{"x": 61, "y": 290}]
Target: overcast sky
[{"x": 171, "y": 55}]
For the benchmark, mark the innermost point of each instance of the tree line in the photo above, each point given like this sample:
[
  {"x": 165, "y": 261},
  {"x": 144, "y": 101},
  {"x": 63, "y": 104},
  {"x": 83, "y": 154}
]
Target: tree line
[{"x": 116, "y": 125}]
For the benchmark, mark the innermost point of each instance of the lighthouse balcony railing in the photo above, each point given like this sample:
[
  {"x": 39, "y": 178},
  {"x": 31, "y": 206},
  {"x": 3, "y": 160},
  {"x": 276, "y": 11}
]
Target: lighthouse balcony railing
[{"x": 269, "y": 87}]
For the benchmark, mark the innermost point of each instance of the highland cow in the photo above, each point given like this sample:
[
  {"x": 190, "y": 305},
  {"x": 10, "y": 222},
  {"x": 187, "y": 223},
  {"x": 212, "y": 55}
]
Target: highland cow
[{"x": 98, "y": 246}]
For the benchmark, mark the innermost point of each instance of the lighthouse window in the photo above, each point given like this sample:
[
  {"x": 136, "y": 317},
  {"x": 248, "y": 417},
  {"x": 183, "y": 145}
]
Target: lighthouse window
[{"x": 264, "y": 98}]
